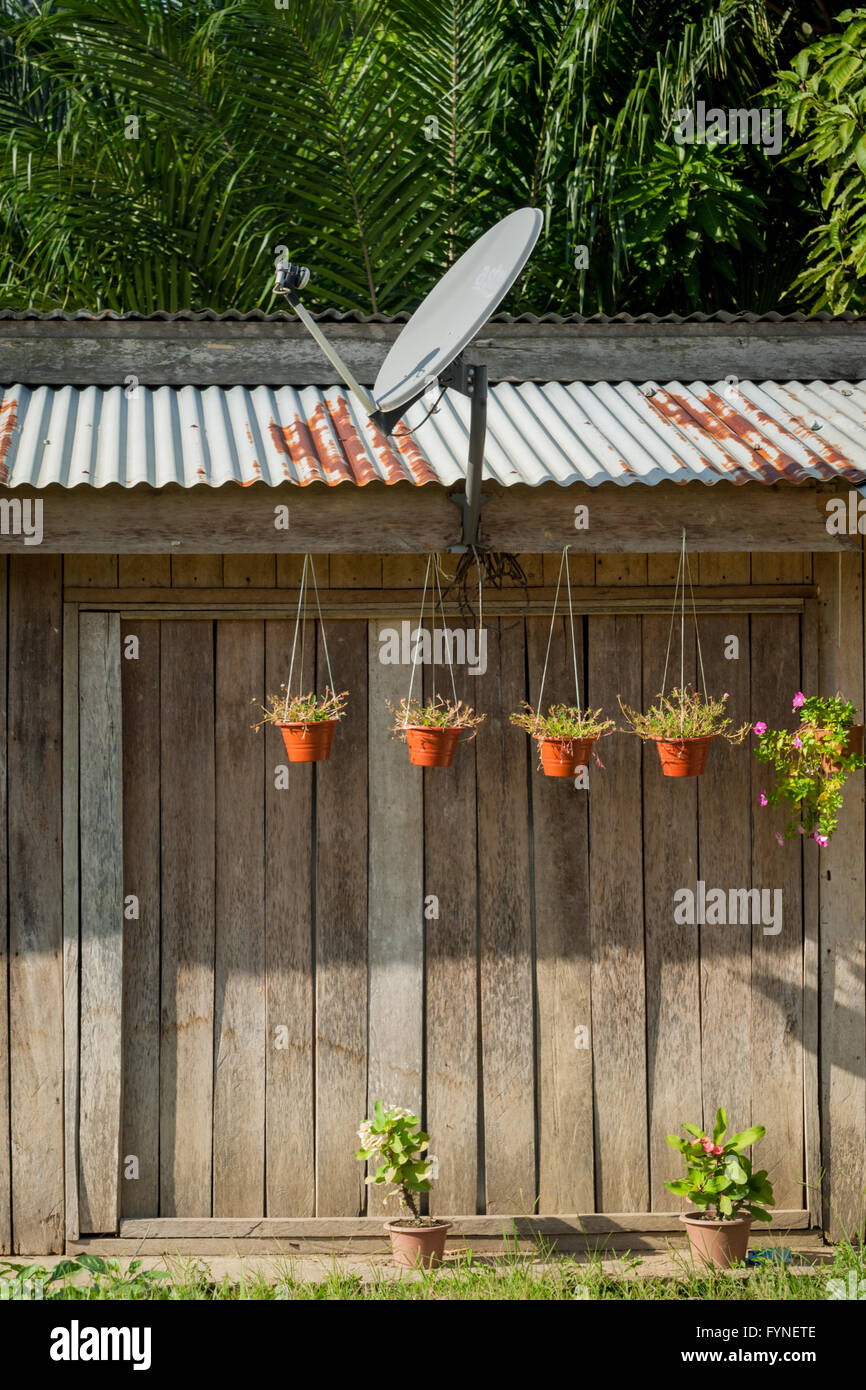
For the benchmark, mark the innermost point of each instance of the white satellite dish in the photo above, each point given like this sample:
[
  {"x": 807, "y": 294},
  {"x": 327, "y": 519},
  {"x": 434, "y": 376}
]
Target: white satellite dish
[{"x": 429, "y": 348}]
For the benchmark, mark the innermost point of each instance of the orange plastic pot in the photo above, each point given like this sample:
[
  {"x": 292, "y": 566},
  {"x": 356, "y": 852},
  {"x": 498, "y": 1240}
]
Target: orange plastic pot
[
  {"x": 430, "y": 746},
  {"x": 309, "y": 743},
  {"x": 418, "y": 1247},
  {"x": 561, "y": 757},
  {"x": 853, "y": 744},
  {"x": 683, "y": 757},
  {"x": 719, "y": 1243}
]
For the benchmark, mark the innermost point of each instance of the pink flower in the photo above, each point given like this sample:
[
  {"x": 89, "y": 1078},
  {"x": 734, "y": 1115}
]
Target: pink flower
[
  {"x": 717, "y": 1149},
  {"x": 726, "y": 694},
  {"x": 708, "y": 1145},
  {"x": 798, "y": 742},
  {"x": 762, "y": 799},
  {"x": 780, "y": 839},
  {"x": 760, "y": 728},
  {"x": 799, "y": 700},
  {"x": 821, "y": 840}
]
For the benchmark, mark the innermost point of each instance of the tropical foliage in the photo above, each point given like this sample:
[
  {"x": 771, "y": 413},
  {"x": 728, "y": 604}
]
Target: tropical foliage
[
  {"x": 395, "y": 1144},
  {"x": 719, "y": 1178},
  {"x": 154, "y": 153},
  {"x": 811, "y": 765}
]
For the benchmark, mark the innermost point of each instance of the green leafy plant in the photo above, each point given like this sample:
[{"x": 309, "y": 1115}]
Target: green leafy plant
[
  {"x": 437, "y": 713},
  {"x": 394, "y": 1141},
  {"x": 302, "y": 709},
  {"x": 106, "y": 1279},
  {"x": 563, "y": 721},
  {"x": 719, "y": 1178},
  {"x": 684, "y": 714},
  {"x": 811, "y": 765}
]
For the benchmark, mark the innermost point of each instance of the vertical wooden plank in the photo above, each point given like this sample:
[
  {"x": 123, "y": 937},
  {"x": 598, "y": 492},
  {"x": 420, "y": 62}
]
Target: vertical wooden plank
[
  {"x": 290, "y": 1116},
  {"x": 614, "y": 570},
  {"x": 139, "y": 672},
  {"x": 662, "y": 569},
  {"x": 355, "y": 572},
  {"x": 5, "y": 1145},
  {"x": 672, "y": 977},
  {"x": 726, "y": 862},
  {"x": 566, "y": 1177},
  {"x": 239, "y": 964},
  {"x": 144, "y": 571},
  {"x": 71, "y": 939},
  {"x": 843, "y": 935},
  {"x": 581, "y": 568},
  {"x": 507, "y": 1013},
  {"x": 187, "y": 866},
  {"x": 533, "y": 568},
  {"x": 809, "y": 683},
  {"x": 451, "y": 969},
  {"x": 777, "y": 567},
  {"x": 249, "y": 571},
  {"x": 196, "y": 571},
  {"x": 100, "y": 780},
  {"x": 395, "y": 912},
  {"x": 341, "y": 934},
  {"x": 777, "y": 960},
  {"x": 34, "y": 723},
  {"x": 90, "y": 571},
  {"x": 617, "y": 929},
  {"x": 722, "y": 567},
  {"x": 289, "y": 569}
]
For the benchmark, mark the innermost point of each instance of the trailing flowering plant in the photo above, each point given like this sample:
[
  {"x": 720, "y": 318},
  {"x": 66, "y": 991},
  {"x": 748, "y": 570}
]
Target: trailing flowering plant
[
  {"x": 302, "y": 709},
  {"x": 685, "y": 714},
  {"x": 394, "y": 1141},
  {"x": 811, "y": 764},
  {"x": 433, "y": 714},
  {"x": 719, "y": 1177},
  {"x": 563, "y": 721}
]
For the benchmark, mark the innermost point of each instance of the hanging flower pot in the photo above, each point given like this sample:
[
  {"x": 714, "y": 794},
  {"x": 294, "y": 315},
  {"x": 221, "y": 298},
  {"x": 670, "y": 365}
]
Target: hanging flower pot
[
  {"x": 432, "y": 730},
  {"x": 306, "y": 722},
  {"x": 566, "y": 736},
  {"x": 851, "y": 741},
  {"x": 682, "y": 726},
  {"x": 812, "y": 764}
]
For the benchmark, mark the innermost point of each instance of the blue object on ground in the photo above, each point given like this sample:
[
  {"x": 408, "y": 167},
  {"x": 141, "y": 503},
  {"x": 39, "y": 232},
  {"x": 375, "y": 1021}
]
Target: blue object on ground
[{"x": 782, "y": 1256}]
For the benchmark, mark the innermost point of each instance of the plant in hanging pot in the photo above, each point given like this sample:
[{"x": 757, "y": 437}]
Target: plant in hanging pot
[
  {"x": 394, "y": 1141},
  {"x": 432, "y": 728},
  {"x": 683, "y": 725},
  {"x": 566, "y": 736},
  {"x": 811, "y": 764},
  {"x": 306, "y": 722},
  {"x": 719, "y": 1181}
]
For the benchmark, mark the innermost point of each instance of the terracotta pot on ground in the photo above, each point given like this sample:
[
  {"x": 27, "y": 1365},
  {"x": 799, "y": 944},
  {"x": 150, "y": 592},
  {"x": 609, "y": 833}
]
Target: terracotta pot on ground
[
  {"x": 430, "y": 746},
  {"x": 721, "y": 1243},
  {"x": 853, "y": 744},
  {"x": 561, "y": 757},
  {"x": 417, "y": 1247},
  {"x": 683, "y": 757},
  {"x": 309, "y": 743}
]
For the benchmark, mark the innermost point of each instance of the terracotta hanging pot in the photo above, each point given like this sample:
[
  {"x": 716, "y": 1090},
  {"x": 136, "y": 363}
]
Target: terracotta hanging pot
[
  {"x": 853, "y": 744},
  {"x": 309, "y": 743},
  {"x": 683, "y": 757},
  {"x": 418, "y": 1247},
  {"x": 431, "y": 746},
  {"x": 561, "y": 757},
  {"x": 720, "y": 1243}
]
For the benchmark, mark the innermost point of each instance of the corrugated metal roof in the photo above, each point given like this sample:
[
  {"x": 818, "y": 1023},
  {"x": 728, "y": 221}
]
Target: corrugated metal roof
[
  {"x": 537, "y": 433},
  {"x": 719, "y": 316}
]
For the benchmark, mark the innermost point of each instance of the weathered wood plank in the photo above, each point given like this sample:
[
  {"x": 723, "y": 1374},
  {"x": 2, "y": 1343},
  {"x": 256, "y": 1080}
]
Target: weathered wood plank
[
  {"x": 619, "y": 570},
  {"x": 239, "y": 957},
  {"x": 403, "y": 571},
  {"x": 34, "y": 769},
  {"x": 726, "y": 863},
  {"x": 139, "y": 669},
  {"x": 90, "y": 571},
  {"x": 566, "y": 1159},
  {"x": 662, "y": 569},
  {"x": 71, "y": 939},
  {"x": 810, "y": 677},
  {"x": 341, "y": 935},
  {"x": 729, "y": 567},
  {"x": 778, "y": 567},
  {"x": 196, "y": 571},
  {"x": 672, "y": 978},
  {"x": 581, "y": 568},
  {"x": 843, "y": 947},
  {"x": 354, "y": 572},
  {"x": 101, "y": 783},
  {"x": 144, "y": 571},
  {"x": 395, "y": 911},
  {"x": 777, "y": 959},
  {"x": 506, "y": 929},
  {"x": 290, "y": 1165},
  {"x": 187, "y": 863},
  {"x": 5, "y": 1145},
  {"x": 249, "y": 571},
  {"x": 451, "y": 975},
  {"x": 617, "y": 928}
]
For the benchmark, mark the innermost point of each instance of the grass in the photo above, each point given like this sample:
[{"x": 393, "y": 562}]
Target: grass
[{"x": 513, "y": 1276}]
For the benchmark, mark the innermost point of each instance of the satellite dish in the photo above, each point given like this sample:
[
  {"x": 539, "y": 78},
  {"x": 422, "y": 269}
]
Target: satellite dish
[{"x": 456, "y": 308}]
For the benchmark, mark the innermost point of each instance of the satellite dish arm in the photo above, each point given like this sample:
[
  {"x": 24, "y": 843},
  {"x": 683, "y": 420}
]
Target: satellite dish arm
[
  {"x": 285, "y": 287},
  {"x": 475, "y": 462}
]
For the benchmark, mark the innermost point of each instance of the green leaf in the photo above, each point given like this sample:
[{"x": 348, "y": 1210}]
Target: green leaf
[
  {"x": 720, "y": 1126},
  {"x": 745, "y": 1139}
]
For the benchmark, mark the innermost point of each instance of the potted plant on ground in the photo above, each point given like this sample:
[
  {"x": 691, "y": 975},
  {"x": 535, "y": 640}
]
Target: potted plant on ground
[
  {"x": 306, "y": 722},
  {"x": 432, "y": 728},
  {"x": 394, "y": 1141},
  {"x": 812, "y": 764},
  {"x": 720, "y": 1182},
  {"x": 683, "y": 725},
  {"x": 565, "y": 736}
]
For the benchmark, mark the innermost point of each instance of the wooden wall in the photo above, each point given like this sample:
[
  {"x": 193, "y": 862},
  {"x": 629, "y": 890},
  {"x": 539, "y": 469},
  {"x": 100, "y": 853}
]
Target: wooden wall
[{"x": 32, "y": 1177}]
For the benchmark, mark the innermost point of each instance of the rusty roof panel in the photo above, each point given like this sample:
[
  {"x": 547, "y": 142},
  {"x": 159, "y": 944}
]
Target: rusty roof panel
[{"x": 725, "y": 431}]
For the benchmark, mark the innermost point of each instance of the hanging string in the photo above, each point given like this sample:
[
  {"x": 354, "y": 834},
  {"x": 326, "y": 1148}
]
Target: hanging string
[
  {"x": 673, "y": 619},
  {"x": 418, "y": 639},
  {"x": 684, "y": 570},
  {"x": 446, "y": 637},
  {"x": 563, "y": 565},
  {"x": 333, "y": 688},
  {"x": 295, "y": 638},
  {"x": 697, "y": 629}
]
